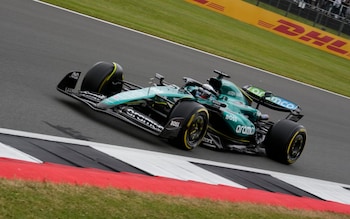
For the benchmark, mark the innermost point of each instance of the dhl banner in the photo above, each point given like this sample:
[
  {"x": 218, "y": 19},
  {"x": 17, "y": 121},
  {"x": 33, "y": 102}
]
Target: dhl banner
[{"x": 278, "y": 24}]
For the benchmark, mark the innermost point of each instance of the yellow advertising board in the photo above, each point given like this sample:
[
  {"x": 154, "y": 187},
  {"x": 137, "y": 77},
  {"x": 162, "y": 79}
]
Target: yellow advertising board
[{"x": 278, "y": 24}]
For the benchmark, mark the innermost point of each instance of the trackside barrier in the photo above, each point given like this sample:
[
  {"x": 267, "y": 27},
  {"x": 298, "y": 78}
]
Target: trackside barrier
[{"x": 278, "y": 24}]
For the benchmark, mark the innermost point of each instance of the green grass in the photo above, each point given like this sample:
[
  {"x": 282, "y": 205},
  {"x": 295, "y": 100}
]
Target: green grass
[
  {"x": 22, "y": 199},
  {"x": 188, "y": 24}
]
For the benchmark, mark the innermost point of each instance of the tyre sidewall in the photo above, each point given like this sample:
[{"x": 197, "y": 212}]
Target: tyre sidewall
[
  {"x": 190, "y": 111},
  {"x": 101, "y": 78},
  {"x": 280, "y": 139}
]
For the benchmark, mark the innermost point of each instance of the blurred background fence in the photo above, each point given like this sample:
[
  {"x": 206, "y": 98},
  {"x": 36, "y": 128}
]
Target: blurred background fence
[{"x": 330, "y": 15}]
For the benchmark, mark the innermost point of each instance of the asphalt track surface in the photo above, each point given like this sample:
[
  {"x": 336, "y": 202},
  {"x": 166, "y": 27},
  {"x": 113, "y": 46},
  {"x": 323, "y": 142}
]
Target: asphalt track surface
[{"x": 39, "y": 44}]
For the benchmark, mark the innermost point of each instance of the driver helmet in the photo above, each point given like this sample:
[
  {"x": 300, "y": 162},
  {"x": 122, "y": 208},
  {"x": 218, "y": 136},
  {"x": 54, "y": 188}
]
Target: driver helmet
[{"x": 206, "y": 91}]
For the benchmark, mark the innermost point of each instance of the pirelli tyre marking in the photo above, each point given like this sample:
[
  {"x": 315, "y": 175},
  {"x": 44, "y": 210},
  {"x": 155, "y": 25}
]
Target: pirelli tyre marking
[
  {"x": 296, "y": 146},
  {"x": 108, "y": 77},
  {"x": 196, "y": 129}
]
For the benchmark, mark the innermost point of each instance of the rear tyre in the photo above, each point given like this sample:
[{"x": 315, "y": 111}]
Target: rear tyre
[
  {"x": 195, "y": 125},
  {"x": 285, "y": 141},
  {"x": 104, "y": 78}
]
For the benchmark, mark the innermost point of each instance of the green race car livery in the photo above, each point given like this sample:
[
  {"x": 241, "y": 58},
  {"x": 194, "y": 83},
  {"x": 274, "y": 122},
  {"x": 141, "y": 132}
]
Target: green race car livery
[{"x": 216, "y": 114}]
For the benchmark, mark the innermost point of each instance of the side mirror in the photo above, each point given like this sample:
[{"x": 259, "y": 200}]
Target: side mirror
[{"x": 160, "y": 78}]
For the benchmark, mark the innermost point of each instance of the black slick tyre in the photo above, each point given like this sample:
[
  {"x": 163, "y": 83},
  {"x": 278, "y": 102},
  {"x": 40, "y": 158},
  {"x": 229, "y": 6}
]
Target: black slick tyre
[
  {"x": 104, "y": 78},
  {"x": 195, "y": 124},
  {"x": 285, "y": 141}
]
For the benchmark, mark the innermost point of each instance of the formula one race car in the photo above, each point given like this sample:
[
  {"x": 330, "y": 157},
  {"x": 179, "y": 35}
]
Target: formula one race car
[{"x": 216, "y": 114}]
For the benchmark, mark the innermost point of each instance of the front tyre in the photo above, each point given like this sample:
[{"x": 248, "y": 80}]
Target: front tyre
[
  {"x": 285, "y": 141},
  {"x": 195, "y": 123},
  {"x": 104, "y": 78}
]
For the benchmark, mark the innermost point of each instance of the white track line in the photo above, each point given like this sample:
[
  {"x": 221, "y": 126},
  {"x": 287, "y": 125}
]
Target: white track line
[{"x": 182, "y": 168}]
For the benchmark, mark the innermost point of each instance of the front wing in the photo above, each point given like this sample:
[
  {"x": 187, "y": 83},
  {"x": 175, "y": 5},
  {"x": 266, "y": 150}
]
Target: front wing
[{"x": 123, "y": 112}]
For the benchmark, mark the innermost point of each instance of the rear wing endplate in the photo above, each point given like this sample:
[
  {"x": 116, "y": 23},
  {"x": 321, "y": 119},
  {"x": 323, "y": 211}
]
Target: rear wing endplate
[{"x": 271, "y": 101}]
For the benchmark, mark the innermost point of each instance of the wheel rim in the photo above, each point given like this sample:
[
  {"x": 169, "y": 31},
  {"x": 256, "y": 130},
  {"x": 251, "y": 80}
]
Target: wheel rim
[
  {"x": 296, "y": 147},
  {"x": 196, "y": 130}
]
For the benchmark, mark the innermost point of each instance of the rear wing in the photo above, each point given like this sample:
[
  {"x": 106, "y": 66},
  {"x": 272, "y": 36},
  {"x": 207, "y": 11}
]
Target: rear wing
[{"x": 267, "y": 99}]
